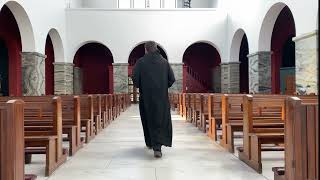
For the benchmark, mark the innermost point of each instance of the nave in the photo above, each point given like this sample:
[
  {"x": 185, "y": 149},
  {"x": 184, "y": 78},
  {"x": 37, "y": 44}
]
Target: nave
[{"x": 118, "y": 152}]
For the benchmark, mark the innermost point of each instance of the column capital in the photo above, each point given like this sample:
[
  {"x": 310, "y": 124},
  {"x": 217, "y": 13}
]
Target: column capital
[
  {"x": 63, "y": 63},
  {"x": 176, "y": 64},
  {"x": 305, "y": 36},
  {"x": 228, "y": 63},
  {"x": 33, "y": 54},
  {"x": 259, "y": 53},
  {"x": 120, "y": 64}
]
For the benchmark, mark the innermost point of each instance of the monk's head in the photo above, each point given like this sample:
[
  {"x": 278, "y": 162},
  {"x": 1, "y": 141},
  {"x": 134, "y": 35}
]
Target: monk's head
[{"x": 150, "y": 47}]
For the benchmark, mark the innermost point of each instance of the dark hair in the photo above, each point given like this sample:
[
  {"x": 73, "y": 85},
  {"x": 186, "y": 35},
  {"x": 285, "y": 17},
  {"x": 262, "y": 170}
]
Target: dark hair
[{"x": 151, "y": 46}]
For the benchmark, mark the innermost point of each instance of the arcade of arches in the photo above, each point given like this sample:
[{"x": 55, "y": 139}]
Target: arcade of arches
[
  {"x": 93, "y": 69},
  {"x": 38, "y": 59}
]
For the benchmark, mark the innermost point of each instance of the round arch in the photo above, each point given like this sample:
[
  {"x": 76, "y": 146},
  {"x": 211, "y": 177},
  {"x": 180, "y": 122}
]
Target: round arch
[
  {"x": 267, "y": 26},
  {"x": 57, "y": 45},
  {"x": 143, "y": 42},
  {"x": 93, "y": 68},
  {"x": 205, "y": 42},
  {"x": 202, "y": 72},
  {"x": 236, "y": 45},
  {"x": 76, "y": 48},
  {"x": 25, "y": 26}
]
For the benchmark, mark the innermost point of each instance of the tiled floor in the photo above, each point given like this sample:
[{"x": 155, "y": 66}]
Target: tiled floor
[{"x": 119, "y": 153}]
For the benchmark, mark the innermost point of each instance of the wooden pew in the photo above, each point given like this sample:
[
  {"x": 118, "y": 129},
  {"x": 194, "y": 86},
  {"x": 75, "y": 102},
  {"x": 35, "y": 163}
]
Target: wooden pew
[
  {"x": 188, "y": 108},
  {"x": 118, "y": 103},
  {"x": 183, "y": 104},
  {"x": 87, "y": 117},
  {"x": 232, "y": 117},
  {"x": 301, "y": 140},
  {"x": 105, "y": 110},
  {"x": 214, "y": 115},
  {"x": 180, "y": 106},
  {"x": 254, "y": 137},
  {"x": 12, "y": 140},
  {"x": 174, "y": 101},
  {"x": 110, "y": 107},
  {"x": 70, "y": 118},
  {"x": 204, "y": 114},
  {"x": 97, "y": 113},
  {"x": 195, "y": 106}
]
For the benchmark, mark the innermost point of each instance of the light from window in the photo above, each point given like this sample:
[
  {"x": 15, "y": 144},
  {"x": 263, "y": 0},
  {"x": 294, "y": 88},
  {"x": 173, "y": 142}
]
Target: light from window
[
  {"x": 169, "y": 4},
  {"x": 139, "y": 4},
  {"x": 154, "y": 3},
  {"x": 124, "y": 4}
]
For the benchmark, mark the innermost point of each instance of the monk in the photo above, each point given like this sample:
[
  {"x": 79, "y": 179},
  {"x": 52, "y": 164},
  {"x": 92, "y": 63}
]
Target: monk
[{"x": 153, "y": 76}]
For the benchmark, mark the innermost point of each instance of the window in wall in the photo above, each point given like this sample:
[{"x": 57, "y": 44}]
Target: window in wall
[
  {"x": 169, "y": 3},
  {"x": 139, "y": 4},
  {"x": 124, "y": 3},
  {"x": 154, "y": 3}
]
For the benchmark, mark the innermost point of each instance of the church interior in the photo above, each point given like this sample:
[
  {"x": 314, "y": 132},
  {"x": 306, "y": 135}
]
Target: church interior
[{"x": 244, "y": 104}]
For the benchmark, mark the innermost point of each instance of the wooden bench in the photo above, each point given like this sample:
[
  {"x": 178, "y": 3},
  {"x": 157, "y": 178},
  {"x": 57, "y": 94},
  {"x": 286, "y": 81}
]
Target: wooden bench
[
  {"x": 97, "y": 113},
  {"x": 255, "y": 137},
  {"x": 45, "y": 140},
  {"x": 106, "y": 109},
  {"x": 87, "y": 117},
  {"x": 204, "y": 114},
  {"x": 301, "y": 140},
  {"x": 70, "y": 119},
  {"x": 188, "y": 109},
  {"x": 214, "y": 115},
  {"x": 175, "y": 101},
  {"x": 12, "y": 140},
  {"x": 180, "y": 106},
  {"x": 232, "y": 117}
]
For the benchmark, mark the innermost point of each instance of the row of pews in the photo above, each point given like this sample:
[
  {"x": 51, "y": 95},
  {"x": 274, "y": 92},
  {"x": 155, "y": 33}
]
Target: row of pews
[
  {"x": 40, "y": 125},
  {"x": 264, "y": 122}
]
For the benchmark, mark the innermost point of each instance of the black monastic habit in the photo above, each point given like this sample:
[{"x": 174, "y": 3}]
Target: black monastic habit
[{"x": 153, "y": 76}]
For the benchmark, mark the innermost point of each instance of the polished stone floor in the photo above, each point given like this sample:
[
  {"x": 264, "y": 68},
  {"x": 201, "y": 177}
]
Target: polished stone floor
[{"x": 119, "y": 153}]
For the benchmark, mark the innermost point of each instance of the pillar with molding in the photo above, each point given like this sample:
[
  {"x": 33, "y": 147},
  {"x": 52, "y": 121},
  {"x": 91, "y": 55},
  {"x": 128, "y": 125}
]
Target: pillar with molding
[
  {"x": 63, "y": 78},
  {"x": 33, "y": 74},
  {"x": 260, "y": 72},
  {"x": 307, "y": 63},
  {"x": 120, "y": 77},
  {"x": 230, "y": 77}
]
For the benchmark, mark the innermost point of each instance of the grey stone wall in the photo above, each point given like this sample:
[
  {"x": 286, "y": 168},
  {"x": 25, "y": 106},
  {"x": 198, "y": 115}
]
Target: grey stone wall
[
  {"x": 230, "y": 77},
  {"x": 63, "y": 78},
  {"x": 177, "y": 69},
  {"x": 120, "y": 77},
  {"x": 260, "y": 72},
  {"x": 217, "y": 79},
  {"x": 77, "y": 80},
  {"x": 33, "y": 74},
  {"x": 307, "y": 65}
]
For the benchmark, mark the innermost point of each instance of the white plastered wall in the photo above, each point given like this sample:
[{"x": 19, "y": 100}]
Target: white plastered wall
[
  {"x": 175, "y": 30},
  {"x": 249, "y": 15},
  {"x": 35, "y": 19},
  {"x": 122, "y": 30}
]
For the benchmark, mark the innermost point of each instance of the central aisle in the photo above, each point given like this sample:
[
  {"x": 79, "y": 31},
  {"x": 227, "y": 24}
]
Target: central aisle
[{"x": 119, "y": 153}]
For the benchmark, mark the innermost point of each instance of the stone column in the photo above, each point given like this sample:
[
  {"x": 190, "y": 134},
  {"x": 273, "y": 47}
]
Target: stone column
[
  {"x": 177, "y": 69},
  {"x": 77, "y": 80},
  {"x": 260, "y": 72},
  {"x": 33, "y": 74},
  {"x": 120, "y": 77},
  {"x": 63, "y": 78},
  {"x": 307, "y": 66},
  {"x": 230, "y": 77},
  {"x": 216, "y": 79}
]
